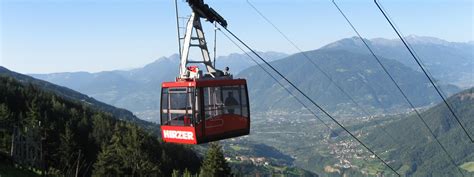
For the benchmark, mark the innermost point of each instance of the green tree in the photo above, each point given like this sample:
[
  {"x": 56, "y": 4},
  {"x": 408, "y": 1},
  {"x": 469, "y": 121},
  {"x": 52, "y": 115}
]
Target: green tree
[
  {"x": 5, "y": 116},
  {"x": 124, "y": 156},
  {"x": 5, "y": 127},
  {"x": 33, "y": 114},
  {"x": 175, "y": 173},
  {"x": 214, "y": 164},
  {"x": 109, "y": 162},
  {"x": 187, "y": 173},
  {"x": 67, "y": 149},
  {"x": 101, "y": 129}
]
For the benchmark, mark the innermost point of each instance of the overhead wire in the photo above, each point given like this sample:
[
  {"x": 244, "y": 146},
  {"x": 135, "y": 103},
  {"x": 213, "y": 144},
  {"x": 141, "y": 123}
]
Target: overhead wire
[
  {"x": 410, "y": 50},
  {"x": 414, "y": 52},
  {"x": 177, "y": 27},
  {"x": 328, "y": 76},
  {"x": 279, "y": 83},
  {"x": 396, "y": 84},
  {"x": 422, "y": 63},
  {"x": 307, "y": 57},
  {"x": 312, "y": 101}
]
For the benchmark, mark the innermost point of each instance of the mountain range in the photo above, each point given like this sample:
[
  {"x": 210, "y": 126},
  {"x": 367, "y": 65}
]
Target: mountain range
[
  {"x": 356, "y": 73},
  {"x": 346, "y": 60},
  {"x": 448, "y": 62},
  {"x": 139, "y": 89}
]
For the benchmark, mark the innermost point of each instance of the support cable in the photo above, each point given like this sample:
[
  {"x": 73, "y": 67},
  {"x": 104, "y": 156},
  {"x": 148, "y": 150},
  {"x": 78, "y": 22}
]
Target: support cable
[
  {"x": 396, "y": 84},
  {"x": 328, "y": 76},
  {"x": 177, "y": 26},
  {"x": 279, "y": 83},
  {"x": 313, "y": 102},
  {"x": 215, "y": 43},
  {"x": 423, "y": 69},
  {"x": 307, "y": 57}
]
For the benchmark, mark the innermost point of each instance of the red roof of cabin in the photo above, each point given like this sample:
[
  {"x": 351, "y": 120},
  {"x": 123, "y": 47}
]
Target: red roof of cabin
[{"x": 204, "y": 83}]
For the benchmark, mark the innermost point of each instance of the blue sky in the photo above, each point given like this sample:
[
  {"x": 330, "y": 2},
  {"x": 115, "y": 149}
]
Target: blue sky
[{"x": 90, "y": 35}]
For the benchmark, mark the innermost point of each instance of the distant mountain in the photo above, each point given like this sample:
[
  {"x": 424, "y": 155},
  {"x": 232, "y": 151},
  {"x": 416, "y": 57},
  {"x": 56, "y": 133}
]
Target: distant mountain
[
  {"x": 416, "y": 153},
  {"x": 138, "y": 89},
  {"x": 357, "y": 73},
  {"x": 238, "y": 62},
  {"x": 67, "y": 93},
  {"x": 449, "y": 62}
]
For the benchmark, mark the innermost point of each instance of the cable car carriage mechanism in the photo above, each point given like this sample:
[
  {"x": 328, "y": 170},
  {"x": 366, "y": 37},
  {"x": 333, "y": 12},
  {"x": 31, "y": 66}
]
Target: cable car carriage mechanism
[{"x": 202, "y": 107}]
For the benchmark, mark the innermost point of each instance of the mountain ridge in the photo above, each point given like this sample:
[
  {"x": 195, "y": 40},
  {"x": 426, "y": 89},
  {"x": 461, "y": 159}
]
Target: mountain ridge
[
  {"x": 448, "y": 62},
  {"x": 358, "y": 74},
  {"x": 138, "y": 89}
]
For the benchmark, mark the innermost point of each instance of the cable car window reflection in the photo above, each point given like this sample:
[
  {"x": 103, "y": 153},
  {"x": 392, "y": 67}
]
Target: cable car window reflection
[
  {"x": 179, "y": 106},
  {"x": 164, "y": 106},
  {"x": 244, "y": 105},
  {"x": 225, "y": 100},
  {"x": 213, "y": 105}
]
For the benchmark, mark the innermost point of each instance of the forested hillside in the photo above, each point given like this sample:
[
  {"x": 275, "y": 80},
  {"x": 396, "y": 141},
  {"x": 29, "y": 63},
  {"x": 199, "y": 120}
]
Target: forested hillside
[
  {"x": 65, "y": 92},
  {"x": 401, "y": 140},
  {"x": 69, "y": 137},
  {"x": 416, "y": 153},
  {"x": 61, "y": 136}
]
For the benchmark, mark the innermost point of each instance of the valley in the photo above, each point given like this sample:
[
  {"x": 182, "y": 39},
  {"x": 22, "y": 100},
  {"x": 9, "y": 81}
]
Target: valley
[
  {"x": 396, "y": 138},
  {"x": 200, "y": 88}
]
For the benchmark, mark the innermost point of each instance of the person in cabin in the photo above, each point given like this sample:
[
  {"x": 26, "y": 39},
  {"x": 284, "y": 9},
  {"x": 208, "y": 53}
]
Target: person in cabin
[
  {"x": 230, "y": 102},
  {"x": 226, "y": 71}
]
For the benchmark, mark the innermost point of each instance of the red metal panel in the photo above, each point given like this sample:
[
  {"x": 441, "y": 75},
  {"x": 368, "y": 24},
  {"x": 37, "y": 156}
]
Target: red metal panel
[
  {"x": 179, "y": 134},
  {"x": 204, "y": 83},
  {"x": 225, "y": 123},
  {"x": 211, "y": 83}
]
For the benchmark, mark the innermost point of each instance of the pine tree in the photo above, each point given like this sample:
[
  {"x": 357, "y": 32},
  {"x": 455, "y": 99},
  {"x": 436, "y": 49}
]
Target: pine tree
[
  {"x": 67, "y": 148},
  {"x": 5, "y": 116},
  {"x": 109, "y": 162},
  {"x": 101, "y": 129},
  {"x": 124, "y": 156},
  {"x": 5, "y": 127},
  {"x": 187, "y": 173},
  {"x": 33, "y": 114},
  {"x": 214, "y": 164},
  {"x": 175, "y": 173}
]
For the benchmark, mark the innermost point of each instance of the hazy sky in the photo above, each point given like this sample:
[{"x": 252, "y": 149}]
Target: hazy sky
[{"x": 44, "y": 36}]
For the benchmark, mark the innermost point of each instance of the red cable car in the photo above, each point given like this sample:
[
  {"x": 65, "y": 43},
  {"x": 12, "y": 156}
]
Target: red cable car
[
  {"x": 199, "y": 108},
  {"x": 200, "y": 111}
]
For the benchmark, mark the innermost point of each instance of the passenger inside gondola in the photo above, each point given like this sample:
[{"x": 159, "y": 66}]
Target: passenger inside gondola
[{"x": 230, "y": 102}]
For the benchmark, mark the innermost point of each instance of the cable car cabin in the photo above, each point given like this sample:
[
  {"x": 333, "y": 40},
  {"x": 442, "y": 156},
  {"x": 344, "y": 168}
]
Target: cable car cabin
[{"x": 200, "y": 111}]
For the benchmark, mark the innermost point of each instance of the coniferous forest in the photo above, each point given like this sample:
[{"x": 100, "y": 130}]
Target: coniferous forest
[
  {"x": 50, "y": 130},
  {"x": 61, "y": 137}
]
